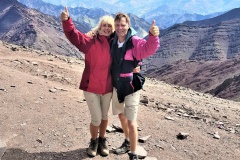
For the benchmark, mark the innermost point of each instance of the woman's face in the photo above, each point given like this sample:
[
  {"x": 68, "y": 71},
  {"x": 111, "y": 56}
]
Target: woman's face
[{"x": 106, "y": 29}]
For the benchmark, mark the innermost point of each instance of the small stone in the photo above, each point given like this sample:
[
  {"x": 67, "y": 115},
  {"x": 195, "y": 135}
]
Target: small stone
[
  {"x": 110, "y": 129},
  {"x": 150, "y": 158},
  {"x": 216, "y": 136},
  {"x": 34, "y": 63},
  {"x": 3, "y": 148},
  {"x": 53, "y": 90},
  {"x": 15, "y": 49},
  {"x": 186, "y": 115},
  {"x": 139, "y": 129},
  {"x": 159, "y": 146},
  {"x": 231, "y": 130},
  {"x": 141, "y": 152},
  {"x": 2, "y": 89},
  {"x": 195, "y": 117},
  {"x": 169, "y": 118},
  {"x": 169, "y": 110},
  {"x": 144, "y": 100},
  {"x": 220, "y": 123},
  {"x": 39, "y": 141},
  {"x": 144, "y": 139},
  {"x": 30, "y": 82},
  {"x": 182, "y": 135},
  {"x": 225, "y": 117}
]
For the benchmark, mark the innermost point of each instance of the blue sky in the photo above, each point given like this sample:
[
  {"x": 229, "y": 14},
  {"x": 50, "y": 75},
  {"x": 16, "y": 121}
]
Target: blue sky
[{"x": 196, "y": 6}]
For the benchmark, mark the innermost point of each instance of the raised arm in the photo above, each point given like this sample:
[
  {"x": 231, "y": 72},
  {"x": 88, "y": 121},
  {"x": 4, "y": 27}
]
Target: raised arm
[
  {"x": 145, "y": 48},
  {"x": 77, "y": 38}
]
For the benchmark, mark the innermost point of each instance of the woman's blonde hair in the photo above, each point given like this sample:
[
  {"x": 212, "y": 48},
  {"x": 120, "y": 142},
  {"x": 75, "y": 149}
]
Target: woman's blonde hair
[{"x": 105, "y": 19}]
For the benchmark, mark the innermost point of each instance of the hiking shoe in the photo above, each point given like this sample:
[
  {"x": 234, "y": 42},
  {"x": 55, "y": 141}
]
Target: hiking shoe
[
  {"x": 133, "y": 156},
  {"x": 102, "y": 147},
  {"x": 125, "y": 147},
  {"x": 92, "y": 149}
]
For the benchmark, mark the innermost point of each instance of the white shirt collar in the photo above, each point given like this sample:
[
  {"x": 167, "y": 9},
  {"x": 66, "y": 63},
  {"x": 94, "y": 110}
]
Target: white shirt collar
[{"x": 120, "y": 44}]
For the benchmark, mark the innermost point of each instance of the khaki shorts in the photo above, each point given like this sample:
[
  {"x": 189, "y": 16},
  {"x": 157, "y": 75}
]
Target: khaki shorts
[
  {"x": 98, "y": 106},
  {"x": 129, "y": 107}
]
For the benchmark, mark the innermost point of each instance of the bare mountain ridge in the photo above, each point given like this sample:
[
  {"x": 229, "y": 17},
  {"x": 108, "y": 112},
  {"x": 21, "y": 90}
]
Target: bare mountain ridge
[
  {"x": 31, "y": 28},
  {"x": 232, "y": 14},
  {"x": 219, "y": 40},
  {"x": 86, "y": 17},
  {"x": 201, "y": 55}
]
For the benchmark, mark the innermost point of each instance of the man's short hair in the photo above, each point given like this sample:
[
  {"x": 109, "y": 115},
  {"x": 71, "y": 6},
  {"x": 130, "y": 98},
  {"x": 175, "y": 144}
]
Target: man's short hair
[{"x": 120, "y": 15}]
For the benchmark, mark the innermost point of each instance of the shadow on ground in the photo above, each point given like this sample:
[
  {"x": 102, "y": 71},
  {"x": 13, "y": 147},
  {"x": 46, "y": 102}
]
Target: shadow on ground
[{"x": 18, "y": 154}]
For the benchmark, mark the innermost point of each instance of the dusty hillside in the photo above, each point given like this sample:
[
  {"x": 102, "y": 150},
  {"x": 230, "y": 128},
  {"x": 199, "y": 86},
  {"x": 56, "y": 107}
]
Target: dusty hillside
[
  {"x": 43, "y": 114},
  {"x": 220, "y": 78}
]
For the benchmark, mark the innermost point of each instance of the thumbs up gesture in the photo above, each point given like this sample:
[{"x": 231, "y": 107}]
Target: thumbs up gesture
[
  {"x": 154, "y": 30},
  {"x": 64, "y": 15}
]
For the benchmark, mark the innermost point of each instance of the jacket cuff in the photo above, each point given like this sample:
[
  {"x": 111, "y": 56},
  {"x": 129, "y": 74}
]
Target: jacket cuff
[{"x": 67, "y": 25}]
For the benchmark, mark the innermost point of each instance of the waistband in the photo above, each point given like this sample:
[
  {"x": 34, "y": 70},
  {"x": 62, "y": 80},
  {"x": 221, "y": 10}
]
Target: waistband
[{"x": 126, "y": 74}]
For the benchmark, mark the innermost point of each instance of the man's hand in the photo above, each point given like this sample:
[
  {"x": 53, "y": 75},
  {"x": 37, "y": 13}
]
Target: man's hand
[
  {"x": 137, "y": 69},
  {"x": 154, "y": 30},
  {"x": 65, "y": 15}
]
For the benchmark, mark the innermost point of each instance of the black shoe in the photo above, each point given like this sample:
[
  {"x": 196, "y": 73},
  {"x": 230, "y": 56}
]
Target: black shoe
[
  {"x": 92, "y": 149},
  {"x": 102, "y": 147},
  {"x": 133, "y": 156},
  {"x": 125, "y": 147}
]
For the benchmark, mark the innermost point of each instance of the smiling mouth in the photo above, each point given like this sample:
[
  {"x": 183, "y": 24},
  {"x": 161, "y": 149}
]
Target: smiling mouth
[{"x": 120, "y": 32}]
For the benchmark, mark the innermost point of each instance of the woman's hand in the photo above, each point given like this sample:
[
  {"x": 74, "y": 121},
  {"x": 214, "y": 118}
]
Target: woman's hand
[
  {"x": 65, "y": 15},
  {"x": 91, "y": 34}
]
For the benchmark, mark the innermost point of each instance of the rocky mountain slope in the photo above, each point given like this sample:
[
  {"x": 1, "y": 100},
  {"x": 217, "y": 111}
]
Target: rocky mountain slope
[
  {"x": 201, "y": 55},
  {"x": 167, "y": 13},
  {"x": 213, "y": 39},
  {"x": 86, "y": 17},
  {"x": 219, "y": 78},
  {"x": 43, "y": 114},
  {"x": 31, "y": 28}
]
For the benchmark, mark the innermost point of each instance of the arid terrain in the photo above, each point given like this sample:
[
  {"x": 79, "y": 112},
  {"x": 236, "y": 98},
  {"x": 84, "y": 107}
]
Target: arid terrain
[{"x": 43, "y": 114}]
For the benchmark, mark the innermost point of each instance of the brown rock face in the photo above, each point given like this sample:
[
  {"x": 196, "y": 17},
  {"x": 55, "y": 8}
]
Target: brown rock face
[{"x": 27, "y": 27}]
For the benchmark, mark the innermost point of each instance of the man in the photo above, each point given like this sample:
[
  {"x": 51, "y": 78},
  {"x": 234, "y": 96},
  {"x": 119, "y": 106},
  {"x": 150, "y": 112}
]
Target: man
[{"x": 126, "y": 49}]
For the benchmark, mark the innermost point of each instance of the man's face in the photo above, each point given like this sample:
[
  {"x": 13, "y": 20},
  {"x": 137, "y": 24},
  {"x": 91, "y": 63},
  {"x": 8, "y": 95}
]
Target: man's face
[{"x": 121, "y": 27}]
